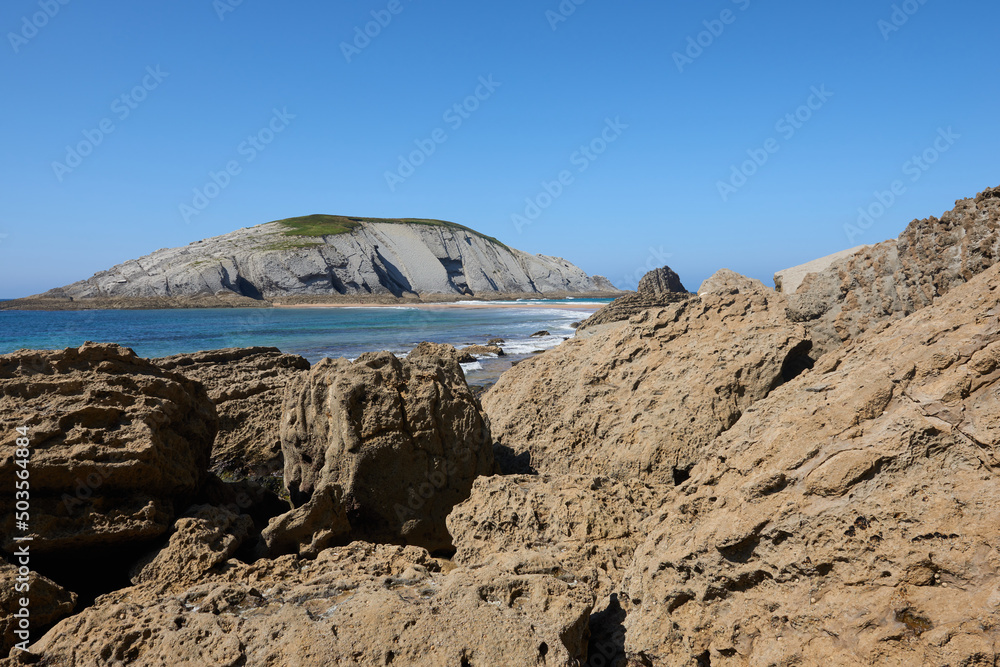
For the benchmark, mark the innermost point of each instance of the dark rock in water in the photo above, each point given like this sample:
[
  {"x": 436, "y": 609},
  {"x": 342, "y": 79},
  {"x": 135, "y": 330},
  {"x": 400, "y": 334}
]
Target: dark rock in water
[
  {"x": 118, "y": 446},
  {"x": 539, "y": 334},
  {"x": 248, "y": 388},
  {"x": 894, "y": 278},
  {"x": 658, "y": 288},
  {"x": 469, "y": 354},
  {"x": 661, "y": 281},
  {"x": 496, "y": 341},
  {"x": 402, "y": 439},
  {"x": 575, "y": 325}
]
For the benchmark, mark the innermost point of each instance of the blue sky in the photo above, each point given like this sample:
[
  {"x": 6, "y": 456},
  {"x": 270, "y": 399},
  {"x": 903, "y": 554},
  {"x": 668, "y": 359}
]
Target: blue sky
[{"x": 642, "y": 109}]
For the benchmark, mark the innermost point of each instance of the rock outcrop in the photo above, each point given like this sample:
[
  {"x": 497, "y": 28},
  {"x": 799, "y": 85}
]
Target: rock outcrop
[
  {"x": 657, "y": 289},
  {"x": 333, "y": 256},
  {"x": 661, "y": 281},
  {"x": 787, "y": 281},
  {"x": 403, "y": 439},
  {"x": 890, "y": 280},
  {"x": 643, "y": 398},
  {"x": 361, "y": 605},
  {"x": 247, "y": 386},
  {"x": 118, "y": 446},
  {"x": 849, "y": 518}
]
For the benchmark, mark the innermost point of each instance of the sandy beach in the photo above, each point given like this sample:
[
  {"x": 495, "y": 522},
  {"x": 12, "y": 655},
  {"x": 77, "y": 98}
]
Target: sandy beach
[{"x": 583, "y": 305}]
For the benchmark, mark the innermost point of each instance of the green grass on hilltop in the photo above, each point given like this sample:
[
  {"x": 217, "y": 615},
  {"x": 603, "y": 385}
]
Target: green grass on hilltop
[{"x": 329, "y": 225}]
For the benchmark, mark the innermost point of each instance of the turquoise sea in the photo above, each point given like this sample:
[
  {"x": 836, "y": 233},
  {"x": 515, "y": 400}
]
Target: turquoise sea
[{"x": 311, "y": 332}]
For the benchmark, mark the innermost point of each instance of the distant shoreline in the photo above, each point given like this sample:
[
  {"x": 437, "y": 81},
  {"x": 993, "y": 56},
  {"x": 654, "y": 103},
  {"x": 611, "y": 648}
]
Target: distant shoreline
[
  {"x": 430, "y": 301},
  {"x": 584, "y": 304}
]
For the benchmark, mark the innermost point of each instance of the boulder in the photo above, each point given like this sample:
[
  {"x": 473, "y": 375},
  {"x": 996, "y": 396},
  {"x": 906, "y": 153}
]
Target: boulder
[
  {"x": 849, "y": 518},
  {"x": 360, "y": 604},
  {"x": 402, "y": 439},
  {"x": 657, "y": 289},
  {"x": 48, "y": 603},
  {"x": 642, "y": 398},
  {"x": 117, "y": 445},
  {"x": 660, "y": 281},
  {"x": 247, "y": 386},
  {"x": 890, "y": 280},
  {"x": 473, "y": 352}
]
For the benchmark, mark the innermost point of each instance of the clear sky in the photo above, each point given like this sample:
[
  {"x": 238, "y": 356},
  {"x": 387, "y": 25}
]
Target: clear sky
[{"x": 606, "y": 132}]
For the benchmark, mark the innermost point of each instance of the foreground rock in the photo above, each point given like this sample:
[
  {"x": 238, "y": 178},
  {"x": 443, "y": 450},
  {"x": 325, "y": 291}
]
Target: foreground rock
[
  {"x": 118, "y": 446},
  {"x": 890, "y": 280},
  {"x": 361, "y": 604},
  {"x": 589, "y": 525},
  {"x": 402, "y": 440},
  {"x": 643, "y": 398},
  {"x": 247, "y": 386},
  {"x": 49, "y": 603},
  {"x": 850, "y": 518},
  {"x": 203, "y": 539},
  {"x": 657, "y": 289}
]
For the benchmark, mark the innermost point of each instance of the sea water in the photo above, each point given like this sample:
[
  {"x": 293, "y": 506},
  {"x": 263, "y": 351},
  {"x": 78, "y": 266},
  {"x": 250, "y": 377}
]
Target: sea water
[{"x": 314, "y": 333}]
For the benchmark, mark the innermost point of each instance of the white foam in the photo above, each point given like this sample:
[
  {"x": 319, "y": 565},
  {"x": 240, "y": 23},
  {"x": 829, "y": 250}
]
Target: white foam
[
  {"x": 472, "y": 366},
  {"x": 529, "y": 345}
]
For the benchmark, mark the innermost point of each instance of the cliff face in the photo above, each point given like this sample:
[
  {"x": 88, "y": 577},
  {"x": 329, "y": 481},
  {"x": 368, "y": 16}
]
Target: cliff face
[{"x": 346, "y": 256}]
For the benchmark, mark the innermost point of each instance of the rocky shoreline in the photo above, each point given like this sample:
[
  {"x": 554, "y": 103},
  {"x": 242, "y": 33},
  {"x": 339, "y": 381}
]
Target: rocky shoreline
[{"x": 735, "y": 477}]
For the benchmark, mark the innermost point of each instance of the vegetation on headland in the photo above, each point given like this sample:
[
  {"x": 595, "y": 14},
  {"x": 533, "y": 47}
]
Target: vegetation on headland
[{"x": 314, "y": 226}]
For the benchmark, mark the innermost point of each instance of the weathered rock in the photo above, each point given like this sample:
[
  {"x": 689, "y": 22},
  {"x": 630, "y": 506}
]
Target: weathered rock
[
  {"x": 203, "y": 539},
  {"x": 787, "y": 281},
  {"x": 117, "y": 446},
  {"x": 348, "y": 256},
  {"x": 403, "y": 439},
  {"x": 248, "y": 388},
  {"x": 588, "y": 525},
  {"x": 661, "y": 281},
  {"x": 849, "y": 518},
  {"x": 360, "y": 605},
  {"x": 48, "y": 603},
  {"x": 658, "y": 289},
  {"x": 540, "y": 334},
  {"x": 643, "y": 398},
  {"x": 890, "y": 280},
  {"x": 309, "y": 529},
  {"x": 496, "y": 341}
]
